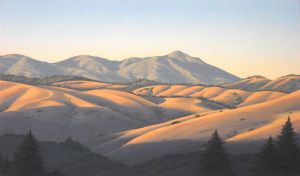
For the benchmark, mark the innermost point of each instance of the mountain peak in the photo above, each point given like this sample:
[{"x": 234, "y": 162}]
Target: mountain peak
[
  {"x": 178, "y": 54},
  {"x": 84, "y": 59},
  {"x": 84, "y": 56},
  {"x": 255, "y": 77},
  {"x": 14, "y": 56}
]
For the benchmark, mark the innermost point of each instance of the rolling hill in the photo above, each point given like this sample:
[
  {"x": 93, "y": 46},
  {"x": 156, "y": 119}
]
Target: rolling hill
[
  {"x": 58, "y": 112},
  {"x": 134, "y": 123},
  {"x": 288, "y": 83},
  {"x": 63, "y": 112},
  {"x": 230, "y": 97},
  {"x": 242, "y": 125}
]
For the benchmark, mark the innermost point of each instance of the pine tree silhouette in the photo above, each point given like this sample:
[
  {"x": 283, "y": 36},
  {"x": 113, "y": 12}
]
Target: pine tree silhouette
[
  {"x": 1, "y": 164},
  {"x": 5, "y": 166},
  {"x": 267, "y": 160},
  {"x": 27, "y": 159},
  {"x": 215, "y": 161},
  {"x": 1, "y": 161},
  {"x": 288, "y": 150}
]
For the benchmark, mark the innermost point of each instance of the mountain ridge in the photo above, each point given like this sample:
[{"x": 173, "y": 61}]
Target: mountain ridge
[{"x": 175, "y": 67}]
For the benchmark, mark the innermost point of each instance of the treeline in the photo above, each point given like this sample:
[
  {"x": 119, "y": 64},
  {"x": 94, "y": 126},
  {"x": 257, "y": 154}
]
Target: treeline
[
  {"x": 27, "y": 160},
  {"x": 280, "y": 157},
  {"x": 41, "y": 81}
]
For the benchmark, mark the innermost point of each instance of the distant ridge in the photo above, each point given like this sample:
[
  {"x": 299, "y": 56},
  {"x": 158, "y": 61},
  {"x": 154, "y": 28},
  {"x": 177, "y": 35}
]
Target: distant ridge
[
  {"x": 176, "y": 67},
  {"x": 287, "y": 83}
]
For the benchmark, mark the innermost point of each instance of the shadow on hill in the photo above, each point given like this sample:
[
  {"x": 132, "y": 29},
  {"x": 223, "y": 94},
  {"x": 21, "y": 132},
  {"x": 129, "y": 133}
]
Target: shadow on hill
[{"x": 69, "y": 157}]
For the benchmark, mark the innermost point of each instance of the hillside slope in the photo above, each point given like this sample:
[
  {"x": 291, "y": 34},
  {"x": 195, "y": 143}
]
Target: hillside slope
[
  {"x": 189, "y": 134},
  {"x": 289, "y": 83},
  {"x": 230, "y": 97},
  {"x": 57, "y": 112}
]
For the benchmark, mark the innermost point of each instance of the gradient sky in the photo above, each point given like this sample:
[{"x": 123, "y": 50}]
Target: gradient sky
[{"x": 244, "y": 37}]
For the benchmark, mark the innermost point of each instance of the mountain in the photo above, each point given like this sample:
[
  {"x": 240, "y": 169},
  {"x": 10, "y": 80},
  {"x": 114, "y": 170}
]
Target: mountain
[
  {"x": 92, "y": 67},
  {"x": 25, "y": 66},
  {"x": 176, "y": 67}
]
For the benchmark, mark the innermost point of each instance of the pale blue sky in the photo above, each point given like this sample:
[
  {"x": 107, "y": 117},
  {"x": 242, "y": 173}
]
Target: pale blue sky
[{"x": 244, "y": 37}]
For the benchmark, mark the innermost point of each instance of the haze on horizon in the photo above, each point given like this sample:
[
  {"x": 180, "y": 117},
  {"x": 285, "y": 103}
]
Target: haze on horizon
[{"x": 242, "y": 37}]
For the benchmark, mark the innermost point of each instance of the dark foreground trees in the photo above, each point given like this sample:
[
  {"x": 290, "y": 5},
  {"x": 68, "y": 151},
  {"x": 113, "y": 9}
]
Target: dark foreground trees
[
  {"x": 27, "y": 160},
  {"x": 5, "y": 166},
  {"x": 282, "y": 159},
  {"x": 267, "y": 160},
  {"x": 215, "y": 161},
  {"x": 279, "y": 157},
  {"x": 288, "y": 151}
]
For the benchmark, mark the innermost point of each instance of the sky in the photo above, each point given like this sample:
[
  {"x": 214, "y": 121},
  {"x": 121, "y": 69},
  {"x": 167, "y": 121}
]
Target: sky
[{"x": 243, "y": 37}]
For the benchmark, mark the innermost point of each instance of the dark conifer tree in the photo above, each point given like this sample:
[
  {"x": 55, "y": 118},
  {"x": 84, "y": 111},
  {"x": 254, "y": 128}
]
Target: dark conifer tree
[
  {"x": 215, "y": 161},
  {"x": 27, "y": 159},
  {"x": 267, "y": 160},
  {"x": 5, "y": 166},
  {"x": 288, "y": 150},
  {"x": 1, "y": 160},
  {"x": 1, "y": 164}
]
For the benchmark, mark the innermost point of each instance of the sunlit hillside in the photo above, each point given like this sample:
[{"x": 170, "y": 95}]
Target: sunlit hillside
[{"x": 118, "y": 121}]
